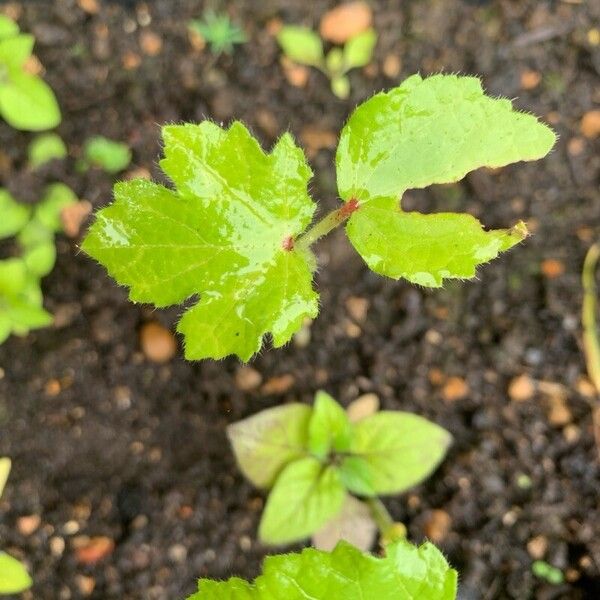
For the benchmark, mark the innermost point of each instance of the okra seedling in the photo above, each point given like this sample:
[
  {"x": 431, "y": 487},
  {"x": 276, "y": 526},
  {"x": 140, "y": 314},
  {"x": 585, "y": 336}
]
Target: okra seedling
[
  {"x": 405, "y": 572},
  {"x": 26, "y": 101},
  {"x": 234, "y": 229},
  {"x": 304, "y": 46},
  {"x": 312, "y": 458},
  {"x": 21, "y": 301},
  {"x": 218, "y": 32}
]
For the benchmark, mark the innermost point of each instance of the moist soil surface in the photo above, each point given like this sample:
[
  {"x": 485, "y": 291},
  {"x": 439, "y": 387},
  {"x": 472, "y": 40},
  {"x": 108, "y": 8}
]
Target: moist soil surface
[{"x": 107, "y": 444}]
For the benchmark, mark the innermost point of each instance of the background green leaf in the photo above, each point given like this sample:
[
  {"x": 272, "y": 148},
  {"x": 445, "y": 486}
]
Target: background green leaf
[
  {"x": 356, "y": 475},
  {"x": 301, "y": 44},
  {"x": 57, "y": 196},
  {"x": 401, "y": 449},
  {"x": 267, "y": 441},
  {"x": 20, "y": 300},
  {"x": 222, "y": 235},
  {"x": 13, "y": 575},
  {"x": 27, "y": 102},
  {"x": 428, "y": 131},
  {"x": 44, "y": 148},
  {"x": 107, "y": 154},
  {"x": 305, "y": 496},
  {"x": 14, "y": 215},
  {"x": 14, "y": 51},
  {"x": 358, "y": 50},
  {"x": 405, "y": 573},
  {"x": 8, "y": 27},
  {"x": 340, "y": 86},
  {"x": 329, "y": 428}
]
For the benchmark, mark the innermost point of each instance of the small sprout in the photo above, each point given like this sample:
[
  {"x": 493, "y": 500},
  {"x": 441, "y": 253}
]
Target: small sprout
[
  {"x": 326, "y": 458},
  {"x": 218, "y": 31},
  {"x": 106, "y": 154},
  {"x": 44, "y": 148},
  {"x": 21, "y": 301},
  {"x": 543, "y": 570},
  {"x": 26, "y": 101},
  {"x": 524, "y": 481},
  {"x": 304, "y": 46}
]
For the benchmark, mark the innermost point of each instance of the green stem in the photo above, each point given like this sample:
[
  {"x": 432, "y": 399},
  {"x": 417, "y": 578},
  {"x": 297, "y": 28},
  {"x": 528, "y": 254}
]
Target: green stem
[
  {"x": 380, "y": 515},
  {"x": 591, "y": 345},
  {"x": 327, "y": 224}
]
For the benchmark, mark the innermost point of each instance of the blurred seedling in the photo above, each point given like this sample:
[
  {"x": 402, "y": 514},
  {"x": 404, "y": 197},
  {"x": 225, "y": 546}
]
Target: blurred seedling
[
  {"x": 44, "y": 148},
  {"x": 543, "y": 570},
  {"x": 218, "y": 31},
  {"x": 33, "y": 229},
  {"x": 109, "y": 155},
  {"x": 26, "y": 101},
  {"x": 14, "y": 578},
  {"x": 304, "y": 46}
]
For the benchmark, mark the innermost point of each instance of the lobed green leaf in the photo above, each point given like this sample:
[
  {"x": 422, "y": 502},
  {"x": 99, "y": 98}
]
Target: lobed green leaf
[
  {"x": 424, "y": 132},
  {"x": 225, "y": 233},
  {"x": 405, "y": 573}
]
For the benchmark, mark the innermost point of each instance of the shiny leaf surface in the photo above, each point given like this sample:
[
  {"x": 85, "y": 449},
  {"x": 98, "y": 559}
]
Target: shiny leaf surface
[
  {"x": 429, "y": 131},
  {"x": 225, "y": 233},
  {"x": 405, "y": 573},
  {"x": 14, "y": 215}
]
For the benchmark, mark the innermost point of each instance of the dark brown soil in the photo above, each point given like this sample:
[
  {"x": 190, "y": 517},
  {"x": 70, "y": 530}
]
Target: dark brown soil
[{"x": 137, "y": 452}]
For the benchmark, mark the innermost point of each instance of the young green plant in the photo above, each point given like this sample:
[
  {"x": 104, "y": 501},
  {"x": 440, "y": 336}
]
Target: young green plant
[
  {"x": 405, "y": 572},
  {"x": 98, "y": 151},
  {"x": 26, "y": 101},
  {"x": 304, "y": 46},
  {"x": 21, "y": 301},
  {"x": 218, "y": 32},
  {"x": 312, "y": 459},
  {"x": 14, "y": 578},
  {"x": 234, "y": 229}
]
